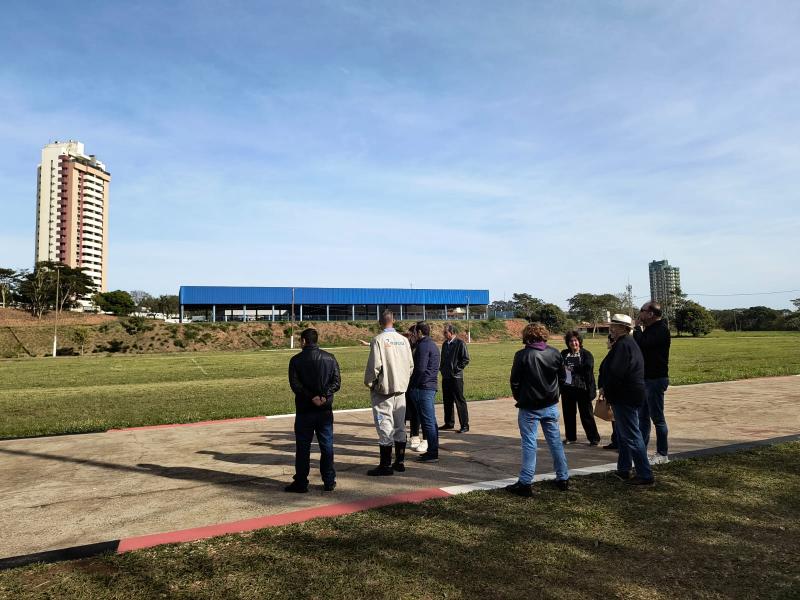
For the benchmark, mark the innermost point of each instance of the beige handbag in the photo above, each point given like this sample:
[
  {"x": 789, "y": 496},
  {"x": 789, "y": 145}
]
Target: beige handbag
[{"x": 603, "y": 410}]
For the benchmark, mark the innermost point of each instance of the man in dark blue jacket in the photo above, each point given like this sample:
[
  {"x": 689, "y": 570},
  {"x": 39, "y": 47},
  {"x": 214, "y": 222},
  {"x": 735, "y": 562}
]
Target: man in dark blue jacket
[
  {"x": 314, "y": 378},
  {"x": 422, "y": 387}
]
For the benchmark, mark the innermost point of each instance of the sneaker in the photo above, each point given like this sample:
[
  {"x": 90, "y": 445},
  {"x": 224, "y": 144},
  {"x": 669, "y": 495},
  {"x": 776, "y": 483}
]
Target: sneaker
[
  {"x": 561, "y": 484},
  {"x": 381, "y": 471},
  {"x": 329, "y": 487},
  {"x": 640, "y": 481},
  {"x": 422, "y": 448},
  {"x": 296, "y": 488},
  {"x": 520, "y": 489},
  {"x": 658, "y": 459},
  {"x": 428, "y": 458},
  {"x": 414, "y": 442}
]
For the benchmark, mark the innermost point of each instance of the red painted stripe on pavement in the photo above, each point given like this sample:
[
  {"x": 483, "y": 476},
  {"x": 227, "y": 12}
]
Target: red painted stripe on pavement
[
  {"x": 195, "y": 424},
  {"x": 298, "y": 516}
]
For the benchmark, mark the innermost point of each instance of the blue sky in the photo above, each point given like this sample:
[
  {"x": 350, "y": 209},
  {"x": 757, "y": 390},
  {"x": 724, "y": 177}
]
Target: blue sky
[{"x": 542, "y": 147}]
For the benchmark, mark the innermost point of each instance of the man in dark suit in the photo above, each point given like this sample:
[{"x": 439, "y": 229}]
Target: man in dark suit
[
  {"x": 455, "y": 358},
  {"x": 314, "y": 378}
]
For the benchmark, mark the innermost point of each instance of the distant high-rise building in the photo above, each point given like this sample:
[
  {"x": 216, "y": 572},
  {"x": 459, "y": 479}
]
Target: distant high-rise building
[
  {"x": 664, "y": 280},
  {"x": 72, "y": 210}
]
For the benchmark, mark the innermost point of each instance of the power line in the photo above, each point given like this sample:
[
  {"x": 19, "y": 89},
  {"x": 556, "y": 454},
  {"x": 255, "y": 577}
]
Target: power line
[{"x": 729, "y": 295}]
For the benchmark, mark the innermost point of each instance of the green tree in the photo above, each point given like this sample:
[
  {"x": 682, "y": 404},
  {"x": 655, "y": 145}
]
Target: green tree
[
  {"x": 552, "y": 317},
  {"x": 142, "y": 300},
  {"x": 592, "y": 308},
  {"x": 118, "y": 302},
  {"x": 9, "y": 278},
  {"x": 693, "y": 318},
  {"x": 167, "y": 304},
  {"x": 73, "y": 285},
  {"x": 526, "y": 306},
  {"x": 758, "y": 318}
]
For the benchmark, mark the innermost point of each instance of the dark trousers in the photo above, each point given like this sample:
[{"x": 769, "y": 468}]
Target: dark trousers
[
  {"x": 453, "y": 393},
  {"x": 424, "y": 400},
  {"x": 306, "y": 425},
  {"x": 573, "y": 399},
  {"x": 631, "y": 445},
  {"x": 412, "y": 413}
]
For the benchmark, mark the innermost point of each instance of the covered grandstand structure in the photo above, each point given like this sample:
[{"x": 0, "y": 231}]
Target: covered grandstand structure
[{"x": 213, "y": 303}]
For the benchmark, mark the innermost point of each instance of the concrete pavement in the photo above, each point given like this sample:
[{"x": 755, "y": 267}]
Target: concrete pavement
[{"x": 64, "y": 491}]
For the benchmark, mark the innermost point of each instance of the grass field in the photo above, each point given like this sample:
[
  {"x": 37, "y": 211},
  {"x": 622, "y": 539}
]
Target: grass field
[
  {"x": 47, "y": 396},
  {"x": 718, "y": 527}
]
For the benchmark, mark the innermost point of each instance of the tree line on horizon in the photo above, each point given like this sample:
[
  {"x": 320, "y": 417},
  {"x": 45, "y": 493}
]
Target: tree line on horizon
[
  {"x": 683, "y": 315},
  {"x": 53, "y": 286}
]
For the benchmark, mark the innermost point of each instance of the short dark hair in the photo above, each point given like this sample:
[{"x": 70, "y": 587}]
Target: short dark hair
[
  {"x": 573, "y": 334},
  {"x": 423, "y": 328},
  {"x": 310, "y": 336},
  {"x": 655, "y": 308},
  {"x": 451, "y": 328},
  {"x": 387, "y": 317}
]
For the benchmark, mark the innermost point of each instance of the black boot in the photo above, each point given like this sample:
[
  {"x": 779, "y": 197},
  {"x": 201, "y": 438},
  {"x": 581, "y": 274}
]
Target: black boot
[
  {"x": 400, "y": 457},
  {"x": 385, "y": 468}
]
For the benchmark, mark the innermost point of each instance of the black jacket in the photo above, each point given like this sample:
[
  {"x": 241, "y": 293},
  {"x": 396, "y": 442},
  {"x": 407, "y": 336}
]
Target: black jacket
[
  {"x": 534, "y": 377},
  {"x": 622, "y": 373},
  {"x": 455, "y": 358},
  {"x": 426, "y": 365},
  {"x": 654, "y": 343},
  {"x": 313, "y": 372},
  {"x": 584, "y": 373}
]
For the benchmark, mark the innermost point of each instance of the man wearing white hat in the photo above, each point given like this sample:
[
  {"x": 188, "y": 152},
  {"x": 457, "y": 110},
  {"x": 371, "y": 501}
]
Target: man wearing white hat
[{"x": 621, "y": 382}]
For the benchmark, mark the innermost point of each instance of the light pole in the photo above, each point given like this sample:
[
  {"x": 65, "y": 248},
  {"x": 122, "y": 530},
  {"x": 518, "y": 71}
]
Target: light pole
[
  {"x": 55, "y": 326},
  {"x": 469, "y": 332},
  {"x": 291, "y": 327}
]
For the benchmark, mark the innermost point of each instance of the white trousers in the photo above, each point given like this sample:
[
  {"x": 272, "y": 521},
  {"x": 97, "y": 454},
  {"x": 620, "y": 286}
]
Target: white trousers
[{"x": 389, "y": 413}]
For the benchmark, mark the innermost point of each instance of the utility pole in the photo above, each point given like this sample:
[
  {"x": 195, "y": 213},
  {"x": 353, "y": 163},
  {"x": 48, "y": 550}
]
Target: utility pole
[
  {"x": 55, "y": 327},
  {"x": 469, "y": 333}
]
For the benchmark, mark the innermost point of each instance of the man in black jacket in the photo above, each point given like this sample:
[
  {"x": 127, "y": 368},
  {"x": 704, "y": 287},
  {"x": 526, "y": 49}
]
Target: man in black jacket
[
  {"x": 621, "y": 383},
  {"x": 652, "y": 335},
  {"x": 455, "y": 359},
  {"x": 314, "y": 378},
  {"x": 422, "y": 387},
  {"x": 534, "y": 383}
]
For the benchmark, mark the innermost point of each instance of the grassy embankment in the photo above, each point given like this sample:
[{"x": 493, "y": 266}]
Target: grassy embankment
[
  {"x": 717, "y": 527},
  {"x": 94, "y": 393}
]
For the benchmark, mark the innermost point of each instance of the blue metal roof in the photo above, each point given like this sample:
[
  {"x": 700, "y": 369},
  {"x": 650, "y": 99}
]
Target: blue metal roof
[{"x": 211, "y": 295}]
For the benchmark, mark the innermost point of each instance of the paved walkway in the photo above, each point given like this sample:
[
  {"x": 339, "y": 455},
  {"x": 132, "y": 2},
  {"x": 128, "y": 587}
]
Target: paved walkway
[{"x": 65, "y": 491}]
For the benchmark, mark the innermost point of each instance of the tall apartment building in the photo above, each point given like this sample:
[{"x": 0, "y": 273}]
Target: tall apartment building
[
  {"x": 72, "y": 209},
  {"x": 664, "y": 280}
]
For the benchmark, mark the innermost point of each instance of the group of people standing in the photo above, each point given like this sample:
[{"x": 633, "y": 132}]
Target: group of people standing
[
  {"x": 402, "y": 375},
  {"x": 633, "y": 378}
]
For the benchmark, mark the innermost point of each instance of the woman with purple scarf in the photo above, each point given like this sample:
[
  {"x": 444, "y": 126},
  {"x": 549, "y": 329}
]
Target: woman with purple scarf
[{"x": 534, "y": 383}]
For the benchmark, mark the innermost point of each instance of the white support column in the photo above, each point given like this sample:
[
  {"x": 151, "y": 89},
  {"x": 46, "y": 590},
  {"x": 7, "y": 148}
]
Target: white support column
[
  {"x": 244, "y": 313},
  {"x": 401, "y": 312},
  {"x": 328, "y": 312},
  {"x": 301, "y": 312},
  {"x": 445, "y": 312},
  {"x": 354, "y": 312},
  {"x": 213, "y": 313},
  {"x": 424, "y": 318},
  {"x": 273, "y": 312},
  {"x": 180, "y": 318},
  {"x": 377, "y": 312}
]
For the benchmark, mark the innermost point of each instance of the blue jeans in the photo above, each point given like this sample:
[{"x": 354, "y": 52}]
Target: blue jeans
[
  {"x": 631, "y": 445},
  {"x": 423, "y": 400},
  {"x": 529, "y": 420},
  {"x": 305, "y": 426},
  {"x": 653, "y": 410}
]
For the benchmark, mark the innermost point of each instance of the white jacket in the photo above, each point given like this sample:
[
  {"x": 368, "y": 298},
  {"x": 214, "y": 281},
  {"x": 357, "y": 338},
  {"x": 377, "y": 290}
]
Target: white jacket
[{"x": 390, "y": 364}]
